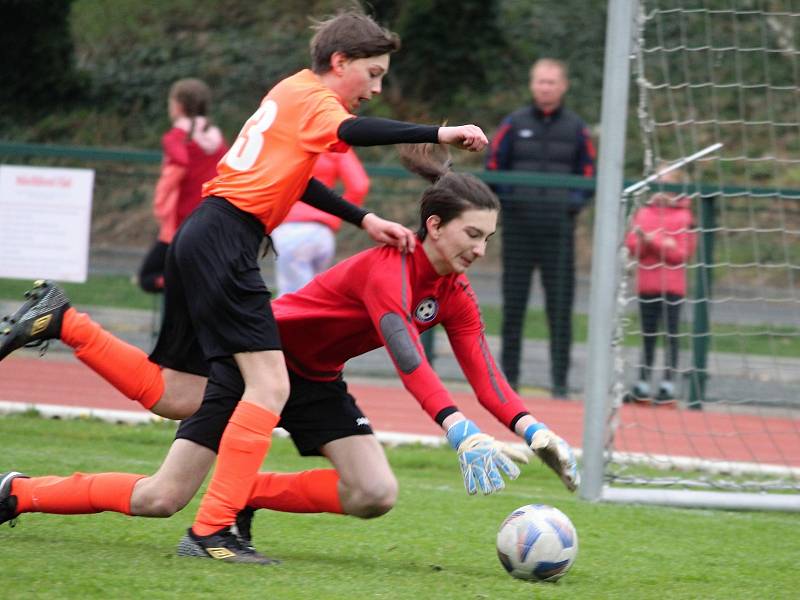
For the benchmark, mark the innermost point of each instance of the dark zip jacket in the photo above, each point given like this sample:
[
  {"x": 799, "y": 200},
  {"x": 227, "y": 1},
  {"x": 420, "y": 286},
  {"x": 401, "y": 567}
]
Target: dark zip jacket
[{"x": 530, "y": 140}]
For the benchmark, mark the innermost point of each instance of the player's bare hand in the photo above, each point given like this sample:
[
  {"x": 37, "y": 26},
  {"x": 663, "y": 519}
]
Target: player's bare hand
[
  {"x": 389, "y": 233},
  {"x": 467, "y": 137}
]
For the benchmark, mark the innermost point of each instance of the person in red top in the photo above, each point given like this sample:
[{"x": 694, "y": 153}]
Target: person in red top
[
  {"x": 661, "y": 239},
  {"x": 192, "y": 148},
  {"x": 379, "y": 297},
  {"x": 305, "y": 242},
  {"x": 215, "y": 324}
]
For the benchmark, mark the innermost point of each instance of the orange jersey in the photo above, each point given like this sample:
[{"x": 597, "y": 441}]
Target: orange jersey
[{"x": 268, "y": 167}]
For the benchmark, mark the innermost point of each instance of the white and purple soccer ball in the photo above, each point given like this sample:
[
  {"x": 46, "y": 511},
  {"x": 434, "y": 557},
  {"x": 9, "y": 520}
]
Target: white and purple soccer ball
[{"x": 537, "y": 542}]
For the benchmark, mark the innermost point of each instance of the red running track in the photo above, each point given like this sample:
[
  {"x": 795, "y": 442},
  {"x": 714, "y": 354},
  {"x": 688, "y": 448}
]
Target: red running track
[{"x": 62, "y": 381}]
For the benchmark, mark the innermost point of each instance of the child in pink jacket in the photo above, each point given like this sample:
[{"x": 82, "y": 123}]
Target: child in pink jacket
[{"x": 662, "y": 240}]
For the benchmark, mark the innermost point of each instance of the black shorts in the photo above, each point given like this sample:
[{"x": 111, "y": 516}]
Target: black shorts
[
  {"x": 319, "y": 412},
  {"x": 215, "y": 301},
  {"x": 316, "y": 413}
]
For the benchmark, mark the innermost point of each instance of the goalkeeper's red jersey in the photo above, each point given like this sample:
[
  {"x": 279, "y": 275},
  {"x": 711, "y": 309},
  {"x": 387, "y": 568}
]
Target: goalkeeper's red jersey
[
  {"x": 337, "y": 316},
  {"x": 268, "y": 167}
]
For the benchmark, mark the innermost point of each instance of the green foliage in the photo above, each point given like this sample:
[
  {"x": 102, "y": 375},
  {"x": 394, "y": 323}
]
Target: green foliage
[
  {"x": 446, "y": 59},
  {"x": 436, "y": 543},
  {"x": 460, "y": 61},
  {"x": 37, "y": 68},
  {"x": 239, "y": 48},
  {"x": 570, "y": 31}
]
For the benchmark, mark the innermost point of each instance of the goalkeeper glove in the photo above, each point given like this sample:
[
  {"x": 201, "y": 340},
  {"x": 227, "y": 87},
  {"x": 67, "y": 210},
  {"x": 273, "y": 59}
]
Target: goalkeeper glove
[
  {"x": 554, "y": 452},
  {"x": 481, "y": 458}
]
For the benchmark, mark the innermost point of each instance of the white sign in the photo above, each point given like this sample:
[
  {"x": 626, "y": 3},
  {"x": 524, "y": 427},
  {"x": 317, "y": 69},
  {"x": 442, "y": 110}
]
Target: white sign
[{"x": 45, "y": 216}]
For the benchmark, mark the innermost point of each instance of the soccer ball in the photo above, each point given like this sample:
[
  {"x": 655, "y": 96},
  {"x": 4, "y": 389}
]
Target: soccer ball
[{"x": 537, "y": 542}]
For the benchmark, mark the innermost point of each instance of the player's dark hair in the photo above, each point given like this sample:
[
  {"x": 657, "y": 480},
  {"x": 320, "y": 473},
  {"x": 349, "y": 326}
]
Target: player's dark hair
[
  {"x": 352, "y": 33},
  {"x": 451, "y": 193},
  {"x": 193, "y": 95}
]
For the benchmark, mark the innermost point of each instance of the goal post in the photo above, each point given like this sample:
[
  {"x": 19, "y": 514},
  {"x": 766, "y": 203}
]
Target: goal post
[
  {"x": 713, "y": 420},
  {"x": 611, "y": 158}
]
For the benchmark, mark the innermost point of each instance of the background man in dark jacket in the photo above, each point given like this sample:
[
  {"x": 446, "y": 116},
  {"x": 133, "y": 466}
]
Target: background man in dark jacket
[{"x": 539, "y": 223}]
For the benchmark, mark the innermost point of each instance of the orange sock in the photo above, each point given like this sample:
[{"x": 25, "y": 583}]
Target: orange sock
[
  {"x": 78, "y": 494},
  {"x": 124, "y": 366},
  {"x": 244, "y": 445},
  {"x": 314, "y": 491}
]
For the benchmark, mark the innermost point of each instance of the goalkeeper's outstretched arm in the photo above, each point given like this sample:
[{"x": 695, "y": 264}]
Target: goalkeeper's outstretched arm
[
  {"x": 483, "y": 459},
  {"x": 466, "y": 332}
]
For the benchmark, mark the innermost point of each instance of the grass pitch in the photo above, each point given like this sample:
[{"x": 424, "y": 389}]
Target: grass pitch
[{"x": 437, "y": 543}]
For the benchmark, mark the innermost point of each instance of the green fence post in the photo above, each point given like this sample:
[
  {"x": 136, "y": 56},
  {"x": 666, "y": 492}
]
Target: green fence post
[{"x": 701, "y": 333}]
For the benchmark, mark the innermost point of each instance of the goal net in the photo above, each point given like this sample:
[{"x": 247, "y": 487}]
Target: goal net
[{"x": 705, "y": 394}]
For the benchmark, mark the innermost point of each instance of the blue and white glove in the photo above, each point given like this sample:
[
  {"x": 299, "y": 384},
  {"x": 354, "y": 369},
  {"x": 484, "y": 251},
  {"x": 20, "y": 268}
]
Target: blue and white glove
[
  {"x": 554, "y": 452},
  {"x": 481, "y": 458}
]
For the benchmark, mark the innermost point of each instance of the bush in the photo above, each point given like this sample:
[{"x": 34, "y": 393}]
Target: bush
[{"x": 38, "y": 67}]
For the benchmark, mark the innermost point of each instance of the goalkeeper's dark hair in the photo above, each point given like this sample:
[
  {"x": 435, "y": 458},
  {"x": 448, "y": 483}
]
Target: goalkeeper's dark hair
[{"x": 451, "y": 193}]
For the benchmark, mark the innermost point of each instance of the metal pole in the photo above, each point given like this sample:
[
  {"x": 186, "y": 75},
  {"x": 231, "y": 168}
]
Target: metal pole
[
  {"x": 677, "y": 165},
  {"x": 613, "y": 115}
]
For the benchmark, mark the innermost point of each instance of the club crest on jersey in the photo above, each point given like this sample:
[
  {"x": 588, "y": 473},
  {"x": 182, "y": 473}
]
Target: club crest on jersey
[{"x": 426, "y": 310}]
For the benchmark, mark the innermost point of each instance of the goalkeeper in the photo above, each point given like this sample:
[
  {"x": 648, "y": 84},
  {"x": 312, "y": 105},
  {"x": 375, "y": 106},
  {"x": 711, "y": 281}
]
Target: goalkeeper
[{"x": 379, "y": 297}]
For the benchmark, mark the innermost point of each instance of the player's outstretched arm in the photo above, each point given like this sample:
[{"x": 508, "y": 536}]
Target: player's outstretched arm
[
  {"x": 376, "y": 131},
  {"x": 554, "y": 452},
  {"x": 481, "y": 457}
]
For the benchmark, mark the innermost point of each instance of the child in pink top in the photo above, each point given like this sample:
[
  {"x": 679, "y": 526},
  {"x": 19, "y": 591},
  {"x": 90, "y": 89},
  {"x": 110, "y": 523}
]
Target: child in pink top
[{"x": 662, "y": 239}]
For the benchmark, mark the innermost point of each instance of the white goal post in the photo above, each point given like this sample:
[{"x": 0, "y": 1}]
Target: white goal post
[{"x": 716, "y": 86}]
